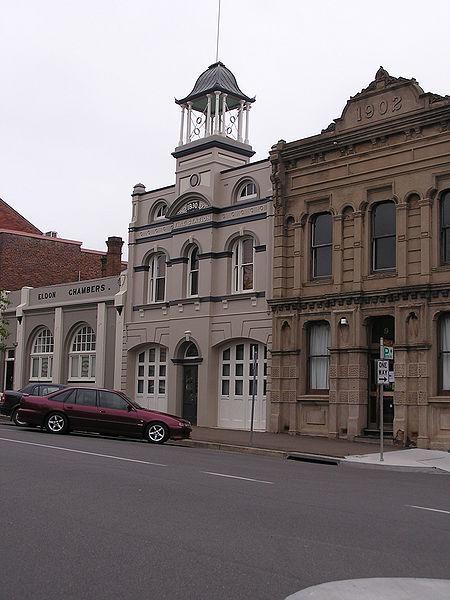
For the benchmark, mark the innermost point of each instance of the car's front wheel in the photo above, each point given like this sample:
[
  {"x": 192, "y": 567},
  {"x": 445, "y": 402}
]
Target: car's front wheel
[
  {"x": 56, "y": 423},
  {"x": 157, "y": 433},
  {"x": 15, "y": 418}
]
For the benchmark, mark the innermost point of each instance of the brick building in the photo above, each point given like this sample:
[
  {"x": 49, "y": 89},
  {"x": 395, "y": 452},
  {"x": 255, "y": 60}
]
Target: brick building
[
  {"x": 28, "y": 257},
  {"x": 362, "y": 251}
]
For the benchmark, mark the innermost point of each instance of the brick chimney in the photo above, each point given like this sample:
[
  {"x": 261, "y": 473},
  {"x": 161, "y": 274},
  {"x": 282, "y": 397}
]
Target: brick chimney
[{"x": 112, "y": 261}]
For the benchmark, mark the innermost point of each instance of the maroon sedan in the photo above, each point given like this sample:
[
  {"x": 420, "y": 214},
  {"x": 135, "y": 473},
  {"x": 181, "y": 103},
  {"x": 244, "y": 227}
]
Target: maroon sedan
[{"x": 100, "y": 411}]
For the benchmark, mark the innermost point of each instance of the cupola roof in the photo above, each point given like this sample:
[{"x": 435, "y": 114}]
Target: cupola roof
[{"x": 216, "y": 78}]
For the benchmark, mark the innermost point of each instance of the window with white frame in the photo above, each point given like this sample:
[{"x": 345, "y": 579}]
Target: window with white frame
[
  {"x": 82, "y": 355},
  {"x": 247, "y": 191},
  {"x": 193, "y": 264},
  {"x": 42, "y": 356},
  {"x": 157, "y": 278},
  {"x": 243, "y": 259},
  {"x": 151, "y": 375},
  {"x": 160, "y": 211},
  {"x": 319, "y": 357}
]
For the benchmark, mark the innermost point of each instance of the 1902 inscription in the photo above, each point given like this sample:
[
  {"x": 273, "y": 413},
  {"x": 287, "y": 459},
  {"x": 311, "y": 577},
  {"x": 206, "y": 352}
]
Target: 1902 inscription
[{"x": 379, "y": 108}]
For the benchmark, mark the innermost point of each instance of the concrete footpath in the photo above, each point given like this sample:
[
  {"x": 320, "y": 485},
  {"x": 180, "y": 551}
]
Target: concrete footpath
[
  {"x": 275, "y": 443},
  {"x": 319, "y": 449}
]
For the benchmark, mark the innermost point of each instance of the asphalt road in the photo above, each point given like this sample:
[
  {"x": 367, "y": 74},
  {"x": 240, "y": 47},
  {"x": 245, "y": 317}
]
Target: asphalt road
[{"x": 90, "y": 518}]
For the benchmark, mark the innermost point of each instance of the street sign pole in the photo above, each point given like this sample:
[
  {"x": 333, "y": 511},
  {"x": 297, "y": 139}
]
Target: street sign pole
[
  {"x": 255, "y": 366},
  {"x": 381, "y": 397}
]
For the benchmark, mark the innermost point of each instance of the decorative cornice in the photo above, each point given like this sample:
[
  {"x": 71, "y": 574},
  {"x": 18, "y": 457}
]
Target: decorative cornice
[{"x": 360, "y": 299}]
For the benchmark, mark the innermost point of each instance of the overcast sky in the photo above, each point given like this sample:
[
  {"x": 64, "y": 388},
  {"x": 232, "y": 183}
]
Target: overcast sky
[{"x": 88, "y": 86}]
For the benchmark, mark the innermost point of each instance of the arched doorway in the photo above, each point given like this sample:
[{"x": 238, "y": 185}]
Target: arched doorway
[
  {"x": 190, "y": 360},
  {"x": 237, "y": 385}
]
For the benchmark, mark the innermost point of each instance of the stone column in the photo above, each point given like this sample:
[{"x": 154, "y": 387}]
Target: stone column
[
  {"x": 402, "y": 242},
  {"x": 20, "y": 378},
  {"x": 100, "y": 345},
  {"x": 224, "y": 111},
  {"x": 247, "y": 116},
  {"x": 188, "y": 125},
  {"x": 183, "y": 108},
  {"x": 426, "y": 236},
  {"x": 216, "y": 117},
  {"x": 118, "y": 347},
  {"x": 58, "y": 350},
  {"x": 359, "y": 247},
  {"x": 336, "y": 256},
  {"x": 208, "y": 116},
  {"x": 240, "y": 119}
]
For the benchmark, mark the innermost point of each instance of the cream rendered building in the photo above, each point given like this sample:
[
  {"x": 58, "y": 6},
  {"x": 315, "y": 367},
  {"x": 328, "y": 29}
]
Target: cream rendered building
[{"x": 200, "y": 267}]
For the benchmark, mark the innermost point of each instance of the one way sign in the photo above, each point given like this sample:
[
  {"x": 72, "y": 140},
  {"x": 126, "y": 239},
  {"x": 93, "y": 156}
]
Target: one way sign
[{"x": 382, "y": 371}]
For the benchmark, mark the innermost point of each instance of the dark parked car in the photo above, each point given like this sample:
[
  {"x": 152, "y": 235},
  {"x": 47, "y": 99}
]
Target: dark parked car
[
  {"x": 100, "y": 411},
  {"x": 10, "y": 400}
]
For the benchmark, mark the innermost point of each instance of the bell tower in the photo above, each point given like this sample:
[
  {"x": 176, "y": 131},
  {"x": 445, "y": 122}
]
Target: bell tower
[{"x": 215, "y": 114}]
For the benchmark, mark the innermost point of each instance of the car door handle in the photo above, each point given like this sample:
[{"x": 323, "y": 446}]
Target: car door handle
[
  {"x": 102, "y": 412},
  {"x": 69, "y": 407}
]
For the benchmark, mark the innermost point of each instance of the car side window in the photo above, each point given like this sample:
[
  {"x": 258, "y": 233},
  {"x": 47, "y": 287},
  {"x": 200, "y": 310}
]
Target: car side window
[
  {"x": 63, "y": 396},
  {"x": 45, "y": 390},
  {"x": 85, "y": 397},
  {"x": 111, "y": 400}
]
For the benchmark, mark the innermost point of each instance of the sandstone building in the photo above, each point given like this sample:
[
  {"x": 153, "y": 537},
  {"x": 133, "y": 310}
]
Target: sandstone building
[{"x": 362, "y": 251}]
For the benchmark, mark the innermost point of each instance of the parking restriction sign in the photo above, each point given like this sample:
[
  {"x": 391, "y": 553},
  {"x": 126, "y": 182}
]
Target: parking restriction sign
[{"x": 382, "y": 371}]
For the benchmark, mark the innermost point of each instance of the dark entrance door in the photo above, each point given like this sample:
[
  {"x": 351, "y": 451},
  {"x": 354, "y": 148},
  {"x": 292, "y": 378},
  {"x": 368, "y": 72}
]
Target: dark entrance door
[
  {"x": 9, "y": 376},
  {"x": 381, "y": 327},
  {"x": 190, "y": 387}
]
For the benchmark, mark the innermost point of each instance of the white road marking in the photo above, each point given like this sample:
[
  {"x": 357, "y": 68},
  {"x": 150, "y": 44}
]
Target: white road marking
[
  {"x": 447, "y": 512},
  {"x": 236, "y": 477},
  {"x": 143, "y": 462}
]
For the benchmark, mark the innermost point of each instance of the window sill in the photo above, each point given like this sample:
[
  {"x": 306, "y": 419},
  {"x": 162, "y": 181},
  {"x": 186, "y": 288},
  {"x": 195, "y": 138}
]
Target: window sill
[
  {"x": 41, "y": 379},
  {"x": 382, "y": 274},
  {"x": 438, "y": 399},
  {"x": 441, "y": 268},
  {"x": 310, "y": 397},
  {"x": 81, "y": 380},
  {"x": 319, "y": 281}
]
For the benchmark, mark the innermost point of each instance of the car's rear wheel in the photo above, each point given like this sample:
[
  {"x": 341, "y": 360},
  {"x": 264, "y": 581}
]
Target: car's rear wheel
[
  {"x": 157, "y": 433},
  {"x": 56, "y": 423},
  {"x": 15, "y": 418}
]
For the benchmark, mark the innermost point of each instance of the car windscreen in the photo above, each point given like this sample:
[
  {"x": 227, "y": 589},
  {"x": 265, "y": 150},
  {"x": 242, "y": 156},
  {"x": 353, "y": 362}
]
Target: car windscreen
[{"x": 27, "y": 389}]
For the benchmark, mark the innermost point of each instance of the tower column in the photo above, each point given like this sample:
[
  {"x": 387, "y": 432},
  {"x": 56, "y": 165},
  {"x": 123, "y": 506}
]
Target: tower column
[
  {"x": 247, "y": 115},
  {"x": 224, "y": 111},
  {"x": 183, "y": 108},
  {"x": 208, "y": 116},
  {"x": 188, "y": 128},
  {"x": 216, "y": 118},
  {"x": 240, "y": 118}
]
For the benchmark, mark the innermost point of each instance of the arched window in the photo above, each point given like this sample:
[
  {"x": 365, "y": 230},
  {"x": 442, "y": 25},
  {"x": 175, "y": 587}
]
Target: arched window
[
  {"x": 191, "y": 351},
  {"x": 383, "y": 236},
  {"x": 319, "y": 357},
  {"x": 82, "y": 355},
  {"x": 445, "y": 227},
  {"x": 42, "y": 356},
  {"x": 247, "y": 191},
  {"x": 157, "y": 278},
  {"x": 444, "y": 354},
  {"x": 159, "y": 212},
  {"x": 192, "y": 273},
  {"x": 243, "y": 259},
  {"x": 321, "y": 245}
]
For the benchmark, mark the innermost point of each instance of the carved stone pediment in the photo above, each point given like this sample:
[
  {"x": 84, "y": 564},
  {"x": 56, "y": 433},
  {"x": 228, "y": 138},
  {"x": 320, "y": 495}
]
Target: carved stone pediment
[{"x": 385, "y": 98}]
